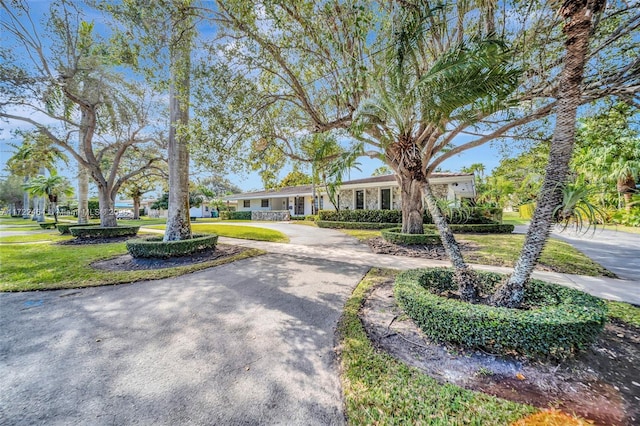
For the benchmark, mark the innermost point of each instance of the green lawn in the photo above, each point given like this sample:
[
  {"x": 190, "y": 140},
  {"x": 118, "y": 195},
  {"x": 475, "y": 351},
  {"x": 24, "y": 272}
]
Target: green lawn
[
  {"x": 35, "y": 237},
  {"x": 504, "y": 249},
  {"x": 237, "y": 231},
  {"x": 378, "y": 389},
  {"x": 49, "y": 266},
  {"x": 513, "y": 218},
  {"x": 19, "y": 228},
  {"x": 6, "y": 220},
  {"x": 624, "y": 312}
]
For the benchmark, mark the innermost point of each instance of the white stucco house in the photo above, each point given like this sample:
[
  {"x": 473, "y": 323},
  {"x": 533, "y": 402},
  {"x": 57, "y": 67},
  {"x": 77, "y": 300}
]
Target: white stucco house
[{"x": 373, "y": 193}]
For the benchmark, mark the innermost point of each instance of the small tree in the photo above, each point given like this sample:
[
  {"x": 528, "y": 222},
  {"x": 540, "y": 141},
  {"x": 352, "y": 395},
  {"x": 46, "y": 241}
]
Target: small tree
[{"x": 52, "y": 187}]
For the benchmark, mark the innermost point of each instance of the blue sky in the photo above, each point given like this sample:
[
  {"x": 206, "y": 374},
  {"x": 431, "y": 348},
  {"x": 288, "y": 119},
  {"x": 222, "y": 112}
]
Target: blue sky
[{"x": 488, "y": 154}]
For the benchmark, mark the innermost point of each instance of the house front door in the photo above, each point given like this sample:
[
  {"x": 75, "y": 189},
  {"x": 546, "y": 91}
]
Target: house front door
[{"x": 299, "y": 210}]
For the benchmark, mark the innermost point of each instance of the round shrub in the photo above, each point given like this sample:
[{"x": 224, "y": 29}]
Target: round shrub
[
  {"x": 63, "y": 228},
  {"x": 106, "y": 232},
  {"x": 555, "y": 323},
  {"x": 154, "y": 247},
  {"x": 395, "y": 236}
]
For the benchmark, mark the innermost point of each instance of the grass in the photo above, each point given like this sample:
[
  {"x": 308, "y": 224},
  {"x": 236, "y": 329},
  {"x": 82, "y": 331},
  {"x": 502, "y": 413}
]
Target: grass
[
  {"x": 305, "y": 223},
  {"x": 504, "y": 249},
  {"x": 15, "y": 221},
  {"x": 49, "y": 266},
  {"x": 20, "y": 228},
  {"x": 378, "y": 389},
  {"x": 513, "y": 218},
  {"x": 624, "y": 312},
  {"x": 621, "y": 228},
  {"x": 33, "y": 238},
  {"x": 238, "y": 231}
]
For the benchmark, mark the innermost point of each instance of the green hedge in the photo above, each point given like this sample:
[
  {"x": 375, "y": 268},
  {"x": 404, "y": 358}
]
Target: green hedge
[
  {"x": 354, "y": 225},
  {"x": 63, "y": 228},
  {"x": 395, "y": 236},
  {"x": 229, "y": 215},
  {"x": 560, "y": 322},
  {"x": 154, "y": 247},
  {"x": 47, "y": 225},
  {"x": 377, "y": 216},
  {"x": 494, "y": 228},
  {"x": 100, "y": 232},
  {"x": 466, "y": 215},
  {"x": 466, "y": 228}
]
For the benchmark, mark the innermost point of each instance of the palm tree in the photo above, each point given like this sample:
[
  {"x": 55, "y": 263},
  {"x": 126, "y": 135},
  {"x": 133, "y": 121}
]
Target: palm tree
[
  {"x": 51, "y": 187},
  {"x": 33, "y": 156},
  {"x": 427, "y": 81},
  {"x": 577, "y": 29}
]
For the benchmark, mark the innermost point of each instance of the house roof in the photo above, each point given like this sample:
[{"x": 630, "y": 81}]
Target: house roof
[{"x": 304, "y": 190}]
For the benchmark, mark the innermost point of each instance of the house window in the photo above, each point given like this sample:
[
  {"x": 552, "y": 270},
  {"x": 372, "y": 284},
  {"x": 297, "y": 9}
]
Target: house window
[
  {"x": 385, "y": 201},
  {"x": 359, "y": 200},
  {"x": 319, "y": 203},
  {"x": 246, "y": 203},
  {"x": 264, "y": 203}
]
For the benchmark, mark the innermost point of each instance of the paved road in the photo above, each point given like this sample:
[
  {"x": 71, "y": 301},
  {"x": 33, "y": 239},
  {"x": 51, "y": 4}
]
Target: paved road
[{"x": 245, "y": 343}]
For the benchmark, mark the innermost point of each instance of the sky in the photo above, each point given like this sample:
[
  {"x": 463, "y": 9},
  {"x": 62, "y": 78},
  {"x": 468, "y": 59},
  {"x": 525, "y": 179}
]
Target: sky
[{"x": 488, "y": 154}]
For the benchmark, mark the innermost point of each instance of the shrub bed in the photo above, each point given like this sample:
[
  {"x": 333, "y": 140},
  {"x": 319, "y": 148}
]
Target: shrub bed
[
  {"x": 395, "y": 236},
  {"x": 47, "y": 225},
  {"x": 100, "y": 232},
  {"x": 154, "y": 247},
  {"x": 235, "y": 215},
  {"x": 354, "y": 225},
  {"x": 465, "y": 215},
  {"x": 489, "y": 228},
  {"x": 557, "y": 323},
  {"x": 63, "y": 228}
]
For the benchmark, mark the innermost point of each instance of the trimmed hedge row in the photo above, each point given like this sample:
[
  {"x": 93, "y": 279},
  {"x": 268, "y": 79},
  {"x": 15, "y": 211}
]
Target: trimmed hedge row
[
  {"x": 473, "y": 215},
  {"x": 494, "y": 228},
  {"x": 354, "y": 225},
  {"x": 558, "y": 323},
  {"x": 107, "y": 232},
  {"x": 235, "y": 215},
  {"x": 395, "y": 236},
  {"x": 469, "y": 228},
  {"x": 154, "y": 247},
  {"x": 63, "y": 228},
  {"x": 47, "y": 225}
]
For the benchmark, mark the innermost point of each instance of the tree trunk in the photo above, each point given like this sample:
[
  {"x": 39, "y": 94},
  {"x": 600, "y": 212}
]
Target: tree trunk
[
  {"x": 83, "y": 195},
  {"x": 25, "y": 201},
  {"x": 411, "y": 204},
  {"x": 178, "y": 223},
  {"x": 107, "y": 209},
  {"x": 136, "y": 207},
  {"x": 577, "y": 30},
  {"x": 466, "y": 279},
  {"x": 627, "y": 186}
]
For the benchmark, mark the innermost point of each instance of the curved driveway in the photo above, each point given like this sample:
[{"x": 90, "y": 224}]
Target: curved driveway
[{"x": 241, "y": 344}]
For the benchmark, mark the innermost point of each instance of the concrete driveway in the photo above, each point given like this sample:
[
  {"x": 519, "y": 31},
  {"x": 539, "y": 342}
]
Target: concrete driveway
[
  {"x": 617, "y": 251},
  {"x": 243, "y": 344}
]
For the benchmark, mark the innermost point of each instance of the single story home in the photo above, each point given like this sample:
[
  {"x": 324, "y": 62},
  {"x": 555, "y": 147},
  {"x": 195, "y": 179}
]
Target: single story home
[{"x": 372, "y": 193}]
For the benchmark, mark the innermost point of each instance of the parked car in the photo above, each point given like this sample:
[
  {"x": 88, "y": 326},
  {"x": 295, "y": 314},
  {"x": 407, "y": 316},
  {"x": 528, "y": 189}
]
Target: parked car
[{"x": 124, "y": 214}]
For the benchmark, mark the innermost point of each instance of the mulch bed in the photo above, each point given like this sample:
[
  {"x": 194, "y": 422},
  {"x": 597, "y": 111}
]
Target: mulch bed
[
  {"x": 126, "y": 262},
  {"x": 602, "y": 384},
  {"x": 428, "y": 251}
]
